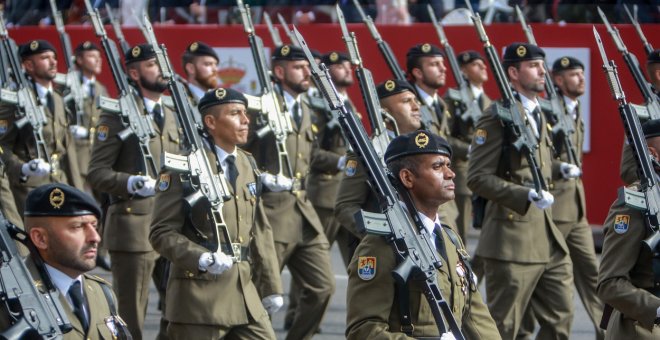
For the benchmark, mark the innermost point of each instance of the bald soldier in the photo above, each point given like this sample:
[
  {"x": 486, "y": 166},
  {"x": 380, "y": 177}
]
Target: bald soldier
[
  {"x": 25, "y": 169},
  {"x": 375, "y": 307},
  {"x": 525, "y": 257},
  {"x": 209, "y": 295},
  {"x": 61, "y": 223},
  {"x": 628, "y": 279}
]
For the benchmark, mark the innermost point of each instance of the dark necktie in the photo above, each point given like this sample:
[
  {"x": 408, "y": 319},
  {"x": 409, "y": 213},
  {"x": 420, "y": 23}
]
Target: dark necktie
[
  {"x": 49, "y": 102},
  {"x": 78, "y": 300},
  {"x": 536, "y": 114},
  {"x": 158, "y": 116},
  {"x": 232, "y": 171},
  {"x": 92, "y": 90},
  {"x": 440, "y": 243},
  {"x": 297, "y": 117},
  {"x": 438, "y": 109}
]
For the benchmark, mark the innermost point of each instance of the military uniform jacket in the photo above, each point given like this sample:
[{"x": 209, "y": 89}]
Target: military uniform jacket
[
  {"x": 19, "y": 147},
  {"x": 113, "y": 162},
  {"x": 513, "y": 229},
  {"x": 626, "y": 274},
  {"x": 89, "y": 120},
  {"x": 7, "y": 203},
  {"x": 280, "y": 205},
  {"x": 373, "y": 306},
  {"x": 231, "y": 298}
]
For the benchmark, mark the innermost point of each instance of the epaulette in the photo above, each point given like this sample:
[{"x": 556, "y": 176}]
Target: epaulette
[{"x": 97, "y": 279}]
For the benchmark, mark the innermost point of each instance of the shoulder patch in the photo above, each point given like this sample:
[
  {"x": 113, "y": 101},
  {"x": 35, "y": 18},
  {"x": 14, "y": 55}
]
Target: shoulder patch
[
  {"x": 351, "y": 167},
  {"x": 164, "y": 182},
  {"x": 366, "y": 267},
  {"x": 102, "y": 133},
  {"x": 621, "y": 223},
  {"x": 4, "y": 124},
  {"x": 480, "y": 136}
]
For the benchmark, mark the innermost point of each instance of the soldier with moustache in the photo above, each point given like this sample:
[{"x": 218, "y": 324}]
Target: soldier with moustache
[
  {"x": 427, "y": 72},
  {"x": 19, "y": 150},
  {"x": 525, "y": 256},
  {"x": 117, "y": 167},
  {"x": 474, "y": 70},
  {"x": 200, "y": 64},
  {"x": 300, "y": 241},
  {"x": 210, "y": 295}
]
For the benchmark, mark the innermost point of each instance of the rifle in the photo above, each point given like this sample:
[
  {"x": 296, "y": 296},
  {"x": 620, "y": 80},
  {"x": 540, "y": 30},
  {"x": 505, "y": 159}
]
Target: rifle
[
  {"x": 471, "y": 111},
  {"x": 72, "y": 78},
  {"x": 380, "y": 138},
  {"x": 33, "y": 313},
  {"x": 273, "y": 117},
  {"x": 29, "y": 112},
  {"x": 125, "y": 46},
  {"x": 5, "y": 75},
  {"x": 411, "y": 242},
  {"x": 652, "y": 105},
  {"x": 648, "y": 48},
  {"x": 286, "y": 28},
  {"x": 648, "y": 198},
  {"x": 564, "y": 127},
  {"x": 210, "y": 189},
  {"x": 274, "y": 33},
  {"x": 393, "y": 65},
  {"x": 507, "y": 110},
  {"x": 134, "y": 122}
]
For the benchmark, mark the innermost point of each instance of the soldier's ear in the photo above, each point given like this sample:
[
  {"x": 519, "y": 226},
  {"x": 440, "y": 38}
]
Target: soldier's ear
[
  {"x": 407, "y": 178},
  {"x": 278, "y": 71},
  {"x": 39, "y": 237},
  {"x": 512, "y": 71},
  {"x": 133, "y": 74},
  {"x": 654, "y": 153},
  {"x": 417, "y": 73},
  {"x": 209, "y": 122},
  {"x": 190, "y": 68}
]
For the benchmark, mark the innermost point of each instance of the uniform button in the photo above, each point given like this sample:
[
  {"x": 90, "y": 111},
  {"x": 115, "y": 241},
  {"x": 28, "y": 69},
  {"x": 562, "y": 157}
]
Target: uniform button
[
  {"x": 128, "y": 210},
  {"x": 240, "y": 218},
  {"x": 510, "y": 216},
  {"x": 551, "y": 186},
  {"x": 300, "y": 155},
  {"x": 542, "y": 164},
  {"x": 298, "y": 175},
  {"x": 162, "y": 138},
  {"x": 240, "y": 239},
  {"x": 236, "y": 197}
]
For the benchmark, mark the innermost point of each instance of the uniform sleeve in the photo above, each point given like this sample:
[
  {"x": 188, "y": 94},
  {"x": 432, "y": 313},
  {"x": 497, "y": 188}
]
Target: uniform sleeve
[
  {"x": 107, "y": 148},
  {"x": 628, "y": 168},
  {"x": 459, "y": 147},
  {"x": 8, "y": 140},
  {"x": 620, "y": 254},
  {"x": 483, "y": 168},
  {"x": 266, "y": 268},
  {"x": 479, "y": 324},
  {"x": 73, "y": 170},
  {"x": 352, "y": 193}
]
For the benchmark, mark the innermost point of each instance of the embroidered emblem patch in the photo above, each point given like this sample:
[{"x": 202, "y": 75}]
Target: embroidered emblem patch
[
  {"x": 366, "y": 267},
  {"x": 334, "y": 57},
  {"x": 421, "y": 140},
  {"x": 564, "y": 62},
  {"x": 426, "y": 48},
  {"x": 480, "y": 136},
  {"x": 56, "y": 198},
  {"x": 3, "y": 126},
  {"x": 621, "y": 223},
  {"x": 521, "y": 51},
  {"x": 164, "y": 182},
  {"x": 194, "y": 46},
  {"x": 285, "y": 50},
  {"x": 102, "y": 133},
  {"x": 351, "y": 167}
]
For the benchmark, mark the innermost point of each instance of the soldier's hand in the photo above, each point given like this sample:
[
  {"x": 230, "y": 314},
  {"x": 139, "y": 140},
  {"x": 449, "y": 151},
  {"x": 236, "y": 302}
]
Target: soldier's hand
[
  {"x": 341, "y": 163},
  {"x": 276, "y": 183},
  {"x": 36, "y": 168},
  {"x": 79, "y": 132},
  {"x": 569, "y": 170},
  {"x": 215, "y": 263},
  {"x": 447, "y": 336},
  {"x": 542, "y": 201},
  {"x": 144, "y": 186},
  {"x": 273, "y": 303}
]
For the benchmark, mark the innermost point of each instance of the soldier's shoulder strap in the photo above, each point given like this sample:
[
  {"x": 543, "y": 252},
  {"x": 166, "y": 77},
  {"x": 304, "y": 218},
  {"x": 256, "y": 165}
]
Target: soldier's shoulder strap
[
  {"x": 255, "y": 169},
  {"x": 107, "y": 291}
]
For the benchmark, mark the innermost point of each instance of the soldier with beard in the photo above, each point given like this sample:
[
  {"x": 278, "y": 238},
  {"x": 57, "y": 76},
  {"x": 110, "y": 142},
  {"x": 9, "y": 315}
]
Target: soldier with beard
[
  {"x": 117, "y": 168},
  {"x": 200, "y": 63}
]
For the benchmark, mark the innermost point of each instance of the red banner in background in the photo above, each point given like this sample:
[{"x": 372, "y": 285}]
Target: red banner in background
[{"x": 601, "y": 162}]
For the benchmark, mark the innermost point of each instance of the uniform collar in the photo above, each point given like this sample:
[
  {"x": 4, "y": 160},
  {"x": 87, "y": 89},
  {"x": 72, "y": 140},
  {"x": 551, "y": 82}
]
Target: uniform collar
[
  {"x": 427, "y": 98},
  {"x": 62, "y": 281},
  {"x": 290, "y": 101},
  {"x": 197, "y": 92},
  {"x": 571, "y": 105},
  {"x": 528, "y": 104},
  {"x": 86, "y": 81},
  {"x": 476, "y": 91},
  {"x": 149, "y": 104},
  {"x": 41, "y": 90}
]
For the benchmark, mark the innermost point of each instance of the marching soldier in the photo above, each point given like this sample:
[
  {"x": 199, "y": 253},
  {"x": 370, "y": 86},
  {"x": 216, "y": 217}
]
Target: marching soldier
[
  {"x": 526, "y": 263},
  {"x": 61, "y": 222},
  {"x": 427, "y": 71},
  {"x": 473, "y": 68},
  {"x": 300, "y": 241},
  {"x": 117, "y": 168},
  {"x": 209, "y": 295},
  {"x": 25, "y": 170},
  {"x": 200, "y": 63},
  {"x": 628, "y": 277},
  {"x": 377, "y": 305}
]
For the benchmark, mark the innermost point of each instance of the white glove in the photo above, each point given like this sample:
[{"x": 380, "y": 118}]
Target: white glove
[
  {"x": 542, "y": 202},
  {"x": 276, "y": 183},
  {"x": 447, "y": 336},
  {"x": 272, "y": 303},
  {"x": 569, "y": 170},
  {"x": 341, "y": 163},
  {"x": 79, "y": 132},
  {"x": 215, "y": 263},
  {"x": 657, "y": 313},
  {"x": 144, "y": 186},
  {"x": 36, "y": 168}
]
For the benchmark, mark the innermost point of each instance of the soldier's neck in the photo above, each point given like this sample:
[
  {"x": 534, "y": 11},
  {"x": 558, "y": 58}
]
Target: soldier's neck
[
  {"x": 43, "y": 82},
  {"x": 154, "y": 96},
  {"x": 88, "y": 74},
  {"x": 429, "y": 90}
]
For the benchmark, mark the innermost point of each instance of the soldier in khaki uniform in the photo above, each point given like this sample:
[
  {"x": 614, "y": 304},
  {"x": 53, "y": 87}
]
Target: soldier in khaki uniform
[
  {"x": 300, "y": 241},
  {"x": 374, "y": 298},
  {"x": 25, "y": 170},
  {"x": 526, "y": 262},
  {"x": 200, "y": 63},
  {"x": 627, "y": 280},
  {"x": 209, "y": 296},
  {"x": 117, "y": 167},
  {"x": 61, "y": 222},
  {"x": 473, "y": 68}
]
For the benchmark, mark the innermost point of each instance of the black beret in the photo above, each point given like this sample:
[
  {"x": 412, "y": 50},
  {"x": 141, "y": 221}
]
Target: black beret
[
  {"x": 334, "y": 57},
  {"x": 416, "y": 143},
  {"x": 315, "y": 53},
  {"x": 199, "y": 49},
  {"x": 467, "y": 57},
  {"x": 221, "y": 96},
  {"x": 653, "y": 57},
  {"x": 521, "y": 52},
  {"x": 651, "y": 128},
  {"x": 566, "y": 63},
  {"x": 392, "y": 87},
  {"x": 86, "y": 46},
  {"x": 289, "y": 52},
  {"x": 421, "y": 50},
  {"x": 57, "y": 199},
  {"x": 35, "y": 47},
  {"x": 139, "y": 53}
]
